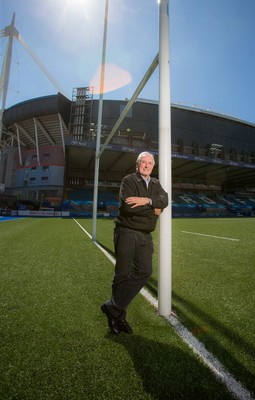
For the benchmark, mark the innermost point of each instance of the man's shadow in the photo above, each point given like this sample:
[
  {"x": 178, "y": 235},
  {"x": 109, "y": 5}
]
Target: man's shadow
[{"x": 167, "y": 372}]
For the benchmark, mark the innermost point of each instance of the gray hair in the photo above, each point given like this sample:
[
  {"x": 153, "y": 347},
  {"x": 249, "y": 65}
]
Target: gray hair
[{"x": 144, "y": 154}]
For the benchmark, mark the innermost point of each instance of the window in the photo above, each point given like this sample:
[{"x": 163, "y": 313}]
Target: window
[
  {"x": 34, "y": 157},
  {"x": 45, "y": 168},
  {"x": 26, "y": 175},
  {"x": 46, "y": 158},
  {"x": 44, "y": 178},
  {"x": 33, "y": 169}
]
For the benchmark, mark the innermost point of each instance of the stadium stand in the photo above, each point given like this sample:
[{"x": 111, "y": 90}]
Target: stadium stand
[{"x": 48, "y": 156}]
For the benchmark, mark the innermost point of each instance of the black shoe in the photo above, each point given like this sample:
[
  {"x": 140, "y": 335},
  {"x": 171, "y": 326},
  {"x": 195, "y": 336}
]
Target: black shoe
[
  {"x": 112, "y": 322},
  {"x": 124, "y": 326}
]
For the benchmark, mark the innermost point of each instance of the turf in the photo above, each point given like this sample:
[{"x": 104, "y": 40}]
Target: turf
[
  {"x": 55, "y": 342},
  {"x": 213, "y": 282}
]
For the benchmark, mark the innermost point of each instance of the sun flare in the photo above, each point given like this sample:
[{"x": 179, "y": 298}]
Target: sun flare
[{"x": 115, "y": 78}]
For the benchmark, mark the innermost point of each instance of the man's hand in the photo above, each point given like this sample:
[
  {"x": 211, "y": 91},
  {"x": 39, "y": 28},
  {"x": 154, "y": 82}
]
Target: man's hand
[
  {"x": 137, "y": 201},
  {"x": 142, "y": 201},
  {"x": 157, "y": 211}
]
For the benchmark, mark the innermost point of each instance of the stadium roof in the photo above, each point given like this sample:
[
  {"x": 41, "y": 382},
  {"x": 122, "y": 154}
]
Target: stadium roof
[
  {"x": 201, "y": 109},
  {"x": 37, "y": 122}
]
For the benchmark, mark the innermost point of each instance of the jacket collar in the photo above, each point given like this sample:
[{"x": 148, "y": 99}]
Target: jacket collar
[{"x": 140, "y": 178}]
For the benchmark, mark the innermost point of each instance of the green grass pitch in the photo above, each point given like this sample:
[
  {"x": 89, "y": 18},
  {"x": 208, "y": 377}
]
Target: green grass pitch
[{"x": 55, "y": 342}]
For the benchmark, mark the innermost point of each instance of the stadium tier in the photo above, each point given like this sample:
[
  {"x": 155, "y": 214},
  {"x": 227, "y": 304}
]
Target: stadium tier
[{"x": 48, "y": 155}]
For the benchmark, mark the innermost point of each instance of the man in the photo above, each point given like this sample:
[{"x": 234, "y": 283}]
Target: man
[{"x": 142, "y": 199}]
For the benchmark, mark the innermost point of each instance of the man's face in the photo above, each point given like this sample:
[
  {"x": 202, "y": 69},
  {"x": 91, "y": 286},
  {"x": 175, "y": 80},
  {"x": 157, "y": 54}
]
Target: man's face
[{"x": 145, "y": 166}]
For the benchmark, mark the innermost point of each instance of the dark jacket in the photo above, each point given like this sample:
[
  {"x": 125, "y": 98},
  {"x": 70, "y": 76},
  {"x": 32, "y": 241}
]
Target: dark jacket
[{"x": 140, "y": 218}]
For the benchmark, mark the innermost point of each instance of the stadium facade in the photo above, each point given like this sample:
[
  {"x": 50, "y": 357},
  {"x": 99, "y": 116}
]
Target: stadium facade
[{"x": 48, "y": 153}]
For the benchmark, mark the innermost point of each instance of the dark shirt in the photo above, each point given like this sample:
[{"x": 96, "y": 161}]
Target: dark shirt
[{"x": 141, "y": 218}]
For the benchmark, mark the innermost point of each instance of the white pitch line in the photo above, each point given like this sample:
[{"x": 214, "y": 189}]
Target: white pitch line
[
  {"x": 84, "y": 230},
  {"x": 212, "y": 236},
  {"x": 111, "y": 258},
  {"x": 236, "y": 388}
]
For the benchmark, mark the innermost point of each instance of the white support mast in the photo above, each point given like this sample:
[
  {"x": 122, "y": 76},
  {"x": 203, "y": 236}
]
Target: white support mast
[
  {"x": 165, "y": 164},
  {"x": 11, "y": 32},
  {"x": 41, "y": 65}
]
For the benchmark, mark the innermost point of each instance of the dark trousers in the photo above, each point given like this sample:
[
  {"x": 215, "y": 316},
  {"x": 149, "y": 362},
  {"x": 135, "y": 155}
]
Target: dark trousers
[{"x": 133, "y": 251}]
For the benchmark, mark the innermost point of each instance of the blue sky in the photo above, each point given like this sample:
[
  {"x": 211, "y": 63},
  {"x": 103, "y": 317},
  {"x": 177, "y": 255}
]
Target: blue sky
[{"x": 212, "y": 50}]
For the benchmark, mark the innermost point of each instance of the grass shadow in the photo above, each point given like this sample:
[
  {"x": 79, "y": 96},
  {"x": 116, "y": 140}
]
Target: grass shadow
[
  {"x": 167, "y": 372},
  {"x": 110, "y": 251},
  {"x": 186, "y": 309}
]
